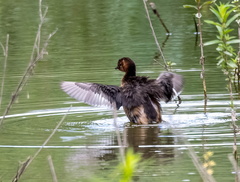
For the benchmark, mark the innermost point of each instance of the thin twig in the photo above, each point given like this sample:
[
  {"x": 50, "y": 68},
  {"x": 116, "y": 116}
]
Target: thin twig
[
  {"x": 158, "y": 62},
  {"x": 33, "y": 61},
  {"x": 26, "y": 76},
  {"x": 234, "y": 119},
  {"x": 21, "y": 170},
  {"x": 238, "y": 60},
  {"x": 155, "y": 11},
  {"x": 5, "y": 52},
  {"x": 36, "y": 46},
  {"x": 202, "y": 58},
  {"x": 42, "y": 19},
  {"x": 155, "y": 37},
  {"x": 46, "y": 141},
  {"x": 50, "y": 162}
]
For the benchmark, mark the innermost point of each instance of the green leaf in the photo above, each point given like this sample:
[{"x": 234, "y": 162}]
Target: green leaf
[
  {"x": 232, "y": 19},
  {"x": 228, "y": 13},
  {"x": 220, "y": 61},
  {"x": 235, "y": 41},
  {"x": 212, "y": 23},
  {"x": 189, "y": 6},
  {"x": 234, "y": 60},
  {"x": 219, "y": 49},
  {"x": 207, "y": 3},
  {"x": 226, "y": 31},
  {"x": 228, "y": 53},
  {"x": 211, "y": 42},
  {"x": 220, "y": 30},
  {"x": 217, "y": 13},
  {"x": 232, "y": 64},
  {"x": 231, "y": 37}
]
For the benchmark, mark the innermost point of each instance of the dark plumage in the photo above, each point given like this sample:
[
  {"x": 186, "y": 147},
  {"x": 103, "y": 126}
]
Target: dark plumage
[{"x": 139, "y": 95}]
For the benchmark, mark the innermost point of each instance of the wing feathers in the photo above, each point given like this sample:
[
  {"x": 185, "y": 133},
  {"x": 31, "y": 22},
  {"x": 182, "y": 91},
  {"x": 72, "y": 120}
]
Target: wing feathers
[
  {"x": 93, "y": 93},
  {"x": 171, "y": 85}
]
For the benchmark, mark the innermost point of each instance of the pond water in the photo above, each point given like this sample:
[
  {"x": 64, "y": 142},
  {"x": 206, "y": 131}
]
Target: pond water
[{"x": 92, "y": 35}]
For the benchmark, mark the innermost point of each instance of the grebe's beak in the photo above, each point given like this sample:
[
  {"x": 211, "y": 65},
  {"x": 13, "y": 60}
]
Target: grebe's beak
[{"x": 117, "y": 68}]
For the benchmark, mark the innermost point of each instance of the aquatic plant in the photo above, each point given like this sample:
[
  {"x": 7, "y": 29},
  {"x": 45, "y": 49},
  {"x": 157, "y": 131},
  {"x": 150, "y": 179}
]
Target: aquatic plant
[
  {"x": 227, "y": 55},
  {"x": 128, "y": 166},
  {"x": 124, "y": 171},
  {"x": 228, "y": 59}
]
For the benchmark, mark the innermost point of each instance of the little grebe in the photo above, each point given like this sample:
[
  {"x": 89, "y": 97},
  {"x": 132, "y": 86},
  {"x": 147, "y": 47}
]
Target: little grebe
[{"x": 138, "y": 95}]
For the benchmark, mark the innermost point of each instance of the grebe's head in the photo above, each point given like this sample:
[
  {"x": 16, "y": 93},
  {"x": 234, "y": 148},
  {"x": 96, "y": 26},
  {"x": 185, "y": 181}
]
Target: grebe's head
[{"x": 125, "y": 64}]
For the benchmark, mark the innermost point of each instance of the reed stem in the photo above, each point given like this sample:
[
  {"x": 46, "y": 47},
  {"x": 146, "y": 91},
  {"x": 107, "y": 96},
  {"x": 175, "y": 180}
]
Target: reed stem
[
  {"x": 202, "y": 58},
  {"x": 5, "y": 53},
  {"x": 50, "y": 162},
  {"x": 238, "y": 60}
]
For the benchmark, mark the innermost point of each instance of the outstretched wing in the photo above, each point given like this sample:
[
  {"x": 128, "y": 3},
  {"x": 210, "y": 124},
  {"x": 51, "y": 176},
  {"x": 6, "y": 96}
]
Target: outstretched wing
[
  {"x": 170, "y": 85},
  {"x": 94, "y": 94}
]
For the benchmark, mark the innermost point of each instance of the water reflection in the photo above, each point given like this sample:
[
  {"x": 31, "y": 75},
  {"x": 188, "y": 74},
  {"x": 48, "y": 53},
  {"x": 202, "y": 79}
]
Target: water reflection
[
  {"x": 138, "y": 136},
  {"x": 165, "y": 41}
]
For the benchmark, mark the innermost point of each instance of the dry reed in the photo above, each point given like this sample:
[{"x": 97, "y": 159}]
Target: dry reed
[
  {"x": 5, "y": 53},
  {"x": 50, "y": 162},
  {"x": 21, "y": 170},
  {"x": 37, "y": 54}
]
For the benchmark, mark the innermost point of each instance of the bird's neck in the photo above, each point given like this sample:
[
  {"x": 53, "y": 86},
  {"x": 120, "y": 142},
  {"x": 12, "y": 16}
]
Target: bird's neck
[{"x": 129, "y": 73}]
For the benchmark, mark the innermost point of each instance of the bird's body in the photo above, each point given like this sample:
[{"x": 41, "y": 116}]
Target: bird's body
[{"x": 138, "y": 95}]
